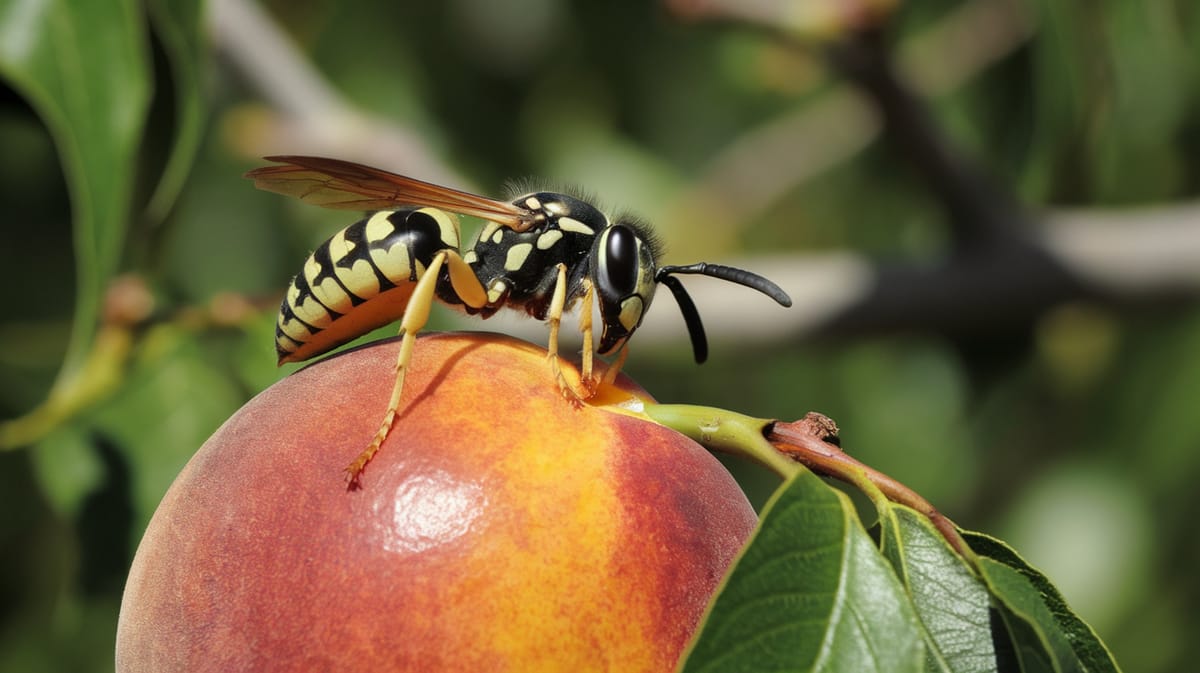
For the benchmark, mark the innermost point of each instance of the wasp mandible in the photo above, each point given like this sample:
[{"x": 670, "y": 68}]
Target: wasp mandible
[{"x": 542, "y": 253}]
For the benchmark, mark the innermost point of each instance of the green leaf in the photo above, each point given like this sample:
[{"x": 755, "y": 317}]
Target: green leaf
[
  {"x": 1059, "y": 64},
  {"x": 178, "y": 24},
  {"x": 1038, "y": 641},
  {"x": 953, "y": 604},
  {"x": 1028, "y": 595},
  {"x": 810, "y": 592},
  {"x": 67, "y": 468},
  {"x": 1146, "y": 100},
  {"x": 83, "y": 66},
  {"x": 172, "y": 401}
]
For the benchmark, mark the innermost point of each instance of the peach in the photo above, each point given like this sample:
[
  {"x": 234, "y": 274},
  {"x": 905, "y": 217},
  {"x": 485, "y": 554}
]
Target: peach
[{"x": 500, "y": 528}]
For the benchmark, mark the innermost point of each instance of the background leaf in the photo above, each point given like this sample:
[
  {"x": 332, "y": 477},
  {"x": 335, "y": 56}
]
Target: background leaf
[
  {"x": 178, "y": 24},
  {"x": 67, "y": 468},
  {"x": 83, "y": 66},
  {"x": 158, "y": 416}
]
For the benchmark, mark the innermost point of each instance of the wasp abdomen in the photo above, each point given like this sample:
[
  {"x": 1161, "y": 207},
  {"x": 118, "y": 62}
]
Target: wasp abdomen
[{"x": 359, "y": 279}]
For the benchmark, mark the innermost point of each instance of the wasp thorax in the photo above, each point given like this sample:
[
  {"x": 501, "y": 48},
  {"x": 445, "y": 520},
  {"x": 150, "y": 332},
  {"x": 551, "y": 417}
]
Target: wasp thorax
[
  {"x": 565, "y": 212},
  {"x": 624, "y": 279}
]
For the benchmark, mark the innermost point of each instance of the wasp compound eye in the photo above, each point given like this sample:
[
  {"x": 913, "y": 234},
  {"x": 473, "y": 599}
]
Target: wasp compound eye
[{"x": 619, "y": 264}]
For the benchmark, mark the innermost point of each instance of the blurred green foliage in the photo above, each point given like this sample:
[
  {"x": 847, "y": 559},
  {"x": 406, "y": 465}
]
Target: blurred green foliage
[{"x": 1075, "y": 440}]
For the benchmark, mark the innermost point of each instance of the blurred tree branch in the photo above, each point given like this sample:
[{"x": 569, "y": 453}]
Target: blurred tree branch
[
  {"x": 980, "y": 214},
  {"x": 309, "y": 116},
  {"x": 765, "y": 163}
]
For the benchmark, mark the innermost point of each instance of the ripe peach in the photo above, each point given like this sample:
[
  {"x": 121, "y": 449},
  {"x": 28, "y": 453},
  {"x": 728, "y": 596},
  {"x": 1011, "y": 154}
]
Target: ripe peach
[{"x": 500, "y": 528}]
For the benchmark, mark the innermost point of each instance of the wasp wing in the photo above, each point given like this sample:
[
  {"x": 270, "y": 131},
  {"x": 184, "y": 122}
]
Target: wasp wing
[{"x": 345, "y": 185}]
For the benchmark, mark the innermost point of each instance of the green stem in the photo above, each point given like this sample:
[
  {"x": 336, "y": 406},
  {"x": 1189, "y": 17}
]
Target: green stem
[
  {"x": 92, "y": 381},
  {"x": 725, "y": 431}
]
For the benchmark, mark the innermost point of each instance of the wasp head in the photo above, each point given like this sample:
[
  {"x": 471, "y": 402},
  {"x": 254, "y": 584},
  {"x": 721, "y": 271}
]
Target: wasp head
[{"x": 624, "y": 263}]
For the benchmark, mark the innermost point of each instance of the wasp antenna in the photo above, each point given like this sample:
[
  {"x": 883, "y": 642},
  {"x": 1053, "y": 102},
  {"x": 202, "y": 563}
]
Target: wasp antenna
[
  {"x": 690, "y": 315},
  {"x": 733, "y": 275}
]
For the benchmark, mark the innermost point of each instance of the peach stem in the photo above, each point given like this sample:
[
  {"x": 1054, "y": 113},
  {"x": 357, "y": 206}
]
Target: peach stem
[{"x": 785, "y": 447}]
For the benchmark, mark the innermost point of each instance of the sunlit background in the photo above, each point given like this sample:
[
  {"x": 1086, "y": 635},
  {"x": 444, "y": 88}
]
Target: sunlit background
[{"x": 996, "y": 301}]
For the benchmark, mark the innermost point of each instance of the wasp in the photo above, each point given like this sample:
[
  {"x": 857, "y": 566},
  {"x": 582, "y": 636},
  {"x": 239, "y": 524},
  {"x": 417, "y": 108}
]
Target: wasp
[{"x": 541, "y": 253}]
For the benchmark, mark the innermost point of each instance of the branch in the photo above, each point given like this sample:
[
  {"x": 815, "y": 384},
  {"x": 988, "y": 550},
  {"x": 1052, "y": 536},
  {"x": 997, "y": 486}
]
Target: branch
[
  {"x": 765, "y": 163},
  {"x": 979, "y": 211},
  {"x": 307, "y": 115}
]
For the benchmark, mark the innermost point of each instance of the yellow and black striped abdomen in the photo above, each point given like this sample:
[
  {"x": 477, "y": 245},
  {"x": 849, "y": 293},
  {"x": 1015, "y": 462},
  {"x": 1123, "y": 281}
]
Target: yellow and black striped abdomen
[{"x": 360, "y": 279}]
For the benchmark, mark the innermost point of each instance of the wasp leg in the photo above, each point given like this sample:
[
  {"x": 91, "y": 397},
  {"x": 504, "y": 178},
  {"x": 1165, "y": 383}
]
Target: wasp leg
[
  {"x": 464, "y": 281},
  {"x": 587, "y": 380},
  {"x": 416, "y": 314},
  {"x": 554, "y": 317},
  {"x": 610, "y": 374}
]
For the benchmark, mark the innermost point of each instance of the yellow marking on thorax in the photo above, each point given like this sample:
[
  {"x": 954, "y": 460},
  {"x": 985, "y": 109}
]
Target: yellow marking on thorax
[
  {"x": 496, "y": 290},
  {"x": 487, "y": 231},
  {"x": 574, "y": 226},
  {"x": 517, "y": 255},
  {"x": 548, "y": 239}
]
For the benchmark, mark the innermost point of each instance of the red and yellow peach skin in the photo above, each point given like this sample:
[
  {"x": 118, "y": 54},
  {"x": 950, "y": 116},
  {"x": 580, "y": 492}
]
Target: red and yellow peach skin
[{"x": 500, "y": 528}]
